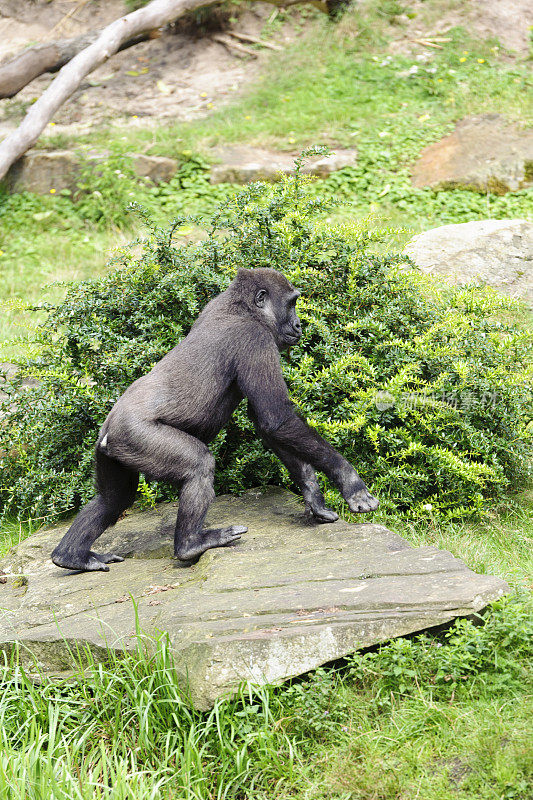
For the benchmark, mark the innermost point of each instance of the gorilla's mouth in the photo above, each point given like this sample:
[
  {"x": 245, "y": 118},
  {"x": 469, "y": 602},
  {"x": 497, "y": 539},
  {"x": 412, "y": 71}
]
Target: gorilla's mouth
[{"x": 292, "y": 338}]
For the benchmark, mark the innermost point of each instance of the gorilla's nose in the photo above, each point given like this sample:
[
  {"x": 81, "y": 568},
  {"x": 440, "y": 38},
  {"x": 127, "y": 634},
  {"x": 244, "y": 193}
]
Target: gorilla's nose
[{"x": 297, "y": 327}]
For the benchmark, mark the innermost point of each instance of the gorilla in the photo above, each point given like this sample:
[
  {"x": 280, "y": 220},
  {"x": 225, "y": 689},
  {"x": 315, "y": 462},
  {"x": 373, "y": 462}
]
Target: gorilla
[{"x": 163, "y": 422}]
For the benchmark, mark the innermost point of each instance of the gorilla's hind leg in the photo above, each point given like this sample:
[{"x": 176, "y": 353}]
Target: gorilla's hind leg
[
  {"x": 168, "y": 454},
  {"x": 117, "y": 486},
  {"x": 190, "y": 538}
]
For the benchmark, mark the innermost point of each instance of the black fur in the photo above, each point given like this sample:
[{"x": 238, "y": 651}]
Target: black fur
[{"x": 163, "y": 422}]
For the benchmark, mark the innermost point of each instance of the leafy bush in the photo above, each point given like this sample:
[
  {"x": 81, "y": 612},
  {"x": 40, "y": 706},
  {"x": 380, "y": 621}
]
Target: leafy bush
[
  {"x": 190, "y": 189},
  {"x": 496, "y": 654},
  {"x": 422, "y": 388}
]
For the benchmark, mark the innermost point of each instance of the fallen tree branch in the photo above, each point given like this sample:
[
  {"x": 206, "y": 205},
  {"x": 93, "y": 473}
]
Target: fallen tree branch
[
  {"x": 427, "y": 43},
  {"x": 146, "y": 19},
  {"x": 24, "y": 68},
  {"x": 108, "y": 41}
]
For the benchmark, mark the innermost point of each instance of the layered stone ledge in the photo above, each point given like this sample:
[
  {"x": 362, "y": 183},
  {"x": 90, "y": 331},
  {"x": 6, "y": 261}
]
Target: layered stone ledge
[{"x": 292, "y": 595}]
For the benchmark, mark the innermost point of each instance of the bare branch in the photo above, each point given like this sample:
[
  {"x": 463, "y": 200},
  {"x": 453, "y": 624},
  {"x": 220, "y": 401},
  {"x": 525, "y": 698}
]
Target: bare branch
[
  {"x": 245, "y": 37},
  {"x": 148, "y": 18},
  {"x": 228, "y": 42}
]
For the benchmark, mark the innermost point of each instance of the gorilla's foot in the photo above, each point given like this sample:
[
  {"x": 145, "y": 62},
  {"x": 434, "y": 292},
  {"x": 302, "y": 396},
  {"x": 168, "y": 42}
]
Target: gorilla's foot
[
  {"x": 193, "y": 547},
  {"x": 84, "y": 562},
  {"x": 315, "y": 503},
  {"x": 108, "y": 558},
  {"x": 362, "y": 501},
  {"x": 323, "y": 514}
]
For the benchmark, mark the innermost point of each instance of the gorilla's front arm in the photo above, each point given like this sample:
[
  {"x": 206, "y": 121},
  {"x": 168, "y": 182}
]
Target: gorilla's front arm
[{"x": 260, "y": 379}]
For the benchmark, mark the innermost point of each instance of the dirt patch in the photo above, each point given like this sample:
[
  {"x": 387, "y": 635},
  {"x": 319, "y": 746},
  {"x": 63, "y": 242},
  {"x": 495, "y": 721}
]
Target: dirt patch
[
  {"x": 456, "y": 769},
  {"x": 186, "y": 73},
  {"x": 183, "y": 74},
  {"x": 39, "y": 21},
  {"x": 508, "y": 21}
]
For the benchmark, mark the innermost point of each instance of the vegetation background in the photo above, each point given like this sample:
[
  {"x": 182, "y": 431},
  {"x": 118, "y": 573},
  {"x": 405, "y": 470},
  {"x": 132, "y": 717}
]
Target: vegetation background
[{"x": 442, "y": 715}]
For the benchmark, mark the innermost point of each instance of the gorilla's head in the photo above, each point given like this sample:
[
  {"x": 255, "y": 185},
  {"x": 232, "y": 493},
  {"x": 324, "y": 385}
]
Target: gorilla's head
[{"x": 271, "y": 299}]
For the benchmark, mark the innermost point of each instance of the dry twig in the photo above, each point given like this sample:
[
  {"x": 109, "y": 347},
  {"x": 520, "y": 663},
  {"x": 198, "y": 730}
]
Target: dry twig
[
  {"x": 229, "y": 43},
  {"x": 70, "y": 14},
  {"x": 255, "y": 40}
]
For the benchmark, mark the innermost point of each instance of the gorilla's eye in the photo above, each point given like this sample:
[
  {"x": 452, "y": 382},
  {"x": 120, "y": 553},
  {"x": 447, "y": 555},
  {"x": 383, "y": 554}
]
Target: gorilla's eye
[{"x": 260, "y": 297}]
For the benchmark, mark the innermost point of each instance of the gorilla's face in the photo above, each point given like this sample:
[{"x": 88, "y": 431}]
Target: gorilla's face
[{"x": 277, "y": 307}]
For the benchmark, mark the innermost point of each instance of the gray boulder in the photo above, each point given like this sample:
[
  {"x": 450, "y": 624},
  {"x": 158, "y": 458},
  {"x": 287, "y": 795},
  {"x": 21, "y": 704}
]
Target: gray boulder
[
  {"x": 242, "y": 164},
  {"x": 498, "y": 253},
  {"x": 158, "y": 169},
  {"x": 485, "y": 154},
  {"x": 40, "y": 171},
  {"x": 290, "y": 596}
]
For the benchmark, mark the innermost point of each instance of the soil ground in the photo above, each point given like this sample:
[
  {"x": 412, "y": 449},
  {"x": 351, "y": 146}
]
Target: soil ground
[
  {"x": 508, "y": 21},
  {"x": 186, "y": 72},
  {"x": 177, "y": 76}
]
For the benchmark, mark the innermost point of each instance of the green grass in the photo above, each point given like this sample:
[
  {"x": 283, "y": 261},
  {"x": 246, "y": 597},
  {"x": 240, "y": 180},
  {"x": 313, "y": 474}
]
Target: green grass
[
  {"x": 439, "y": 716},
  {"x": 43, "y": 242},
  {"x": 343, "y": 92}
]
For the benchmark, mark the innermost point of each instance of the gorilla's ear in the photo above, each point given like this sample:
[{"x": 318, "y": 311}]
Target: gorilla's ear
[{"x": 260, "y": 297}]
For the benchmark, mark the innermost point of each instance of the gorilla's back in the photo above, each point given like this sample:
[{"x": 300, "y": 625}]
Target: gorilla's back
[{"x": 193, "y": 387}]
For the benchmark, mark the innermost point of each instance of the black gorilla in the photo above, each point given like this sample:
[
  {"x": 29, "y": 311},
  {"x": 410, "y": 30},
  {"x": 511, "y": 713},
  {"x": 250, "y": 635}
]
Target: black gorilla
[{"x": 163, "y": 422}]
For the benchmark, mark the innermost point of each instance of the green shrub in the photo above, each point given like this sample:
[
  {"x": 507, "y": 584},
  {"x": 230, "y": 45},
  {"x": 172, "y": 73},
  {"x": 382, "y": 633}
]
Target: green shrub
[
  {"x": 496, "y": 655},
  {"x": 422, "y": 388},
  {"x": 190, "y": 189}
]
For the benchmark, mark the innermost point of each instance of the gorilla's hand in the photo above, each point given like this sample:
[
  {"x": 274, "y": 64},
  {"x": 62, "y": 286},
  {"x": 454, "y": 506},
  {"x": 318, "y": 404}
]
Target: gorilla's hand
[{"x": 362, "y": 501}]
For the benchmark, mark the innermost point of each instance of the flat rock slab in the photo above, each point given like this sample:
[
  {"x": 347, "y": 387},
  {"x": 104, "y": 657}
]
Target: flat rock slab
[
  {"x": 290, "y": 596},
  {"x": 243, "y": 164},
  {"x": 40, "y": 171},
  {"x": 484, "y": 154},
  {"x": 498, "y": 253}
]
